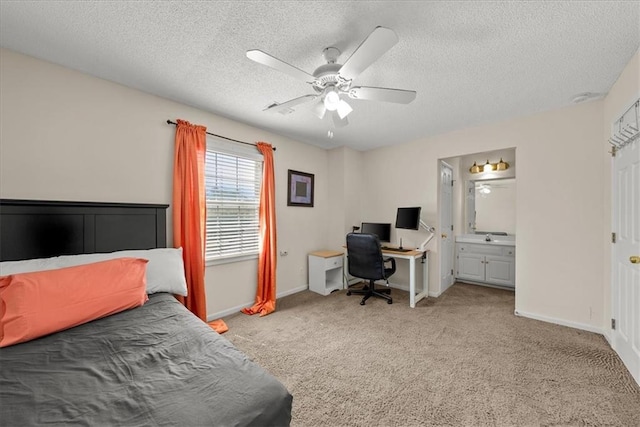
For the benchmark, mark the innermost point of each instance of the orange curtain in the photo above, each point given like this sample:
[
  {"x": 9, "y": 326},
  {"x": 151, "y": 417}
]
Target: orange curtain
[
  {"x": 266, "y": 292},
  {"x": 189, "y": 211}
]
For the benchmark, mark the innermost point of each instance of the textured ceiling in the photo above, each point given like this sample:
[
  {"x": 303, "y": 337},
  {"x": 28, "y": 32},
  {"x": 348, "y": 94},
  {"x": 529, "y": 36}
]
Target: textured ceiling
[{"x": 470, "y": 62}]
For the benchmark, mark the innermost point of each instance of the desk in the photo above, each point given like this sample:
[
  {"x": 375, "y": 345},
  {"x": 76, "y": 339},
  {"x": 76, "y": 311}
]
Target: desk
[{"x": 412, "y": 256}]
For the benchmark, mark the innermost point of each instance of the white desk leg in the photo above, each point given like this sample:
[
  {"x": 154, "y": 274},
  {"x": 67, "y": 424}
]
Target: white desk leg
[
  {"x": 425, "y": 274},
  {"x": 412, "y": 282}
]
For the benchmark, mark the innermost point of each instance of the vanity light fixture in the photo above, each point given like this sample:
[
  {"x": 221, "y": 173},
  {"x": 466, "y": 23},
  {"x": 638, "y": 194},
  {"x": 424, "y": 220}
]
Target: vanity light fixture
[
  {"x": 502, "y": 165},
  {"x": 488, "y": 167}
]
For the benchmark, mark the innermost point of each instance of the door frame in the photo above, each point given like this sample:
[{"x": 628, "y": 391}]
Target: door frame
[{"x": 442, "y": 258}]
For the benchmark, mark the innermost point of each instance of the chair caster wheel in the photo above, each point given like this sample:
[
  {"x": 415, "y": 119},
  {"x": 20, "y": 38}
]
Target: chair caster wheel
[
  {"x": 389, "y": 301},
  {"x": 361, "y": 302},
  {"x": 348, "y": 293}
]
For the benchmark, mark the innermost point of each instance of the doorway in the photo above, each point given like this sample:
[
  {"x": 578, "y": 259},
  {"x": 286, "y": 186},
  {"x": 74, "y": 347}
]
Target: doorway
[
  {"x": 463, "y": 211},
  {"x": 446, "y": 226}
]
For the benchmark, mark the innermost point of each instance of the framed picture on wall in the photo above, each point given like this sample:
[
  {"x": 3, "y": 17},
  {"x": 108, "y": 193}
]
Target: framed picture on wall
[{"x": 300, "y": 189}]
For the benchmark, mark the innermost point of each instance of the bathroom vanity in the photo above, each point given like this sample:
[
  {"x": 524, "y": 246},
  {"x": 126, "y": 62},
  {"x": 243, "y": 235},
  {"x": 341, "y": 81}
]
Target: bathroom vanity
[{"x": 486, "y": 260}]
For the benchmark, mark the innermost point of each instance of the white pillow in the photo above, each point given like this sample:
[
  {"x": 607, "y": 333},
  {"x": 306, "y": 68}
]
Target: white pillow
[
  {"x": 165, "y": 269},
  {"x": 27, "y": 266}
]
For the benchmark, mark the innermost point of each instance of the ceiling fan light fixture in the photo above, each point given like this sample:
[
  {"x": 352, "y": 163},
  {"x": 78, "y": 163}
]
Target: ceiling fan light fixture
[
  {"x": 344, "y": 109},
  {"x": 485, "y": 189},
  {"x": 331, "y": 100}
]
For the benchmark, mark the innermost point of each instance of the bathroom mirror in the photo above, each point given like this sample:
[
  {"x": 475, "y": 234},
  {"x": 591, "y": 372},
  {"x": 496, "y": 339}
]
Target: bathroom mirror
[{"x": 491, "y": 206}]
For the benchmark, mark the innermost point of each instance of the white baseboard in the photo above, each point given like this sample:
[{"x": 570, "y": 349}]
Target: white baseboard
[
  {"x": 575, "y": 325},
  {"x": 236, "y": 309}
]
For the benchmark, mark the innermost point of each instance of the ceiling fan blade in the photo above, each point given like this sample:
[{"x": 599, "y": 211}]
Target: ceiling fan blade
[
  {"x": 265, "y": 59},
  {"x": 373, "y": 47},
  {"x": 399, "y": 96},
  {"x": 337, "y": 121},
  {"x": 285, "y": 106}
]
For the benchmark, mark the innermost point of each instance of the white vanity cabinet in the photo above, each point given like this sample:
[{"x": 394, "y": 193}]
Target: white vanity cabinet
[{"x": 486, "y": 264}]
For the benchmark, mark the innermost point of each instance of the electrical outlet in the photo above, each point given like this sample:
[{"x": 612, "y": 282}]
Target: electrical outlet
[{"x": 284, "y": 253}]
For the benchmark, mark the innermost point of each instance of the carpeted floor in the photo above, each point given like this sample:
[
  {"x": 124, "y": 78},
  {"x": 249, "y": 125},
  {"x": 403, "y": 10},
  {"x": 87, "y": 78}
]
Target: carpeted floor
[{"x": 462, "y": 359}]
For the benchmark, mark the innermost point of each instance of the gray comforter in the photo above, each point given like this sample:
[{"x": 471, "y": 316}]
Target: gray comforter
[{"x": 153, "y": 365}]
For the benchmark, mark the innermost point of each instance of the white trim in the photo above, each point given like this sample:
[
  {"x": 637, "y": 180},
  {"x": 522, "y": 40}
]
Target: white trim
[
  {"x": 236, "y": 309},
  {"x": 227, "y": 260},
  {"x": 487, "y": 285},
  {"x": 561, "y": 322}
]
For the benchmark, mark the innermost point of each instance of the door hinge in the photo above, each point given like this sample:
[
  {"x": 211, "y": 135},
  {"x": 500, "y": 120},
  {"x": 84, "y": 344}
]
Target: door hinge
[
  {"x": 451, "y": 227},
  {"x": 613, "y": 151},
  {"x": 613, "y": 237},
  {"x": 452, "y": 271},
  {"x": 613, "y": 324}
]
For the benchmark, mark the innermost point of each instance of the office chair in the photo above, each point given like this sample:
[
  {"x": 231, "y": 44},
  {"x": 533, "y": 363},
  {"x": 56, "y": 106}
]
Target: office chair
[{"x": 366, "y": 262}]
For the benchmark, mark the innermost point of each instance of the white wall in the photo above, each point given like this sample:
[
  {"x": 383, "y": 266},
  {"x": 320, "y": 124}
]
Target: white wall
[{"x": 68, "y": 136}]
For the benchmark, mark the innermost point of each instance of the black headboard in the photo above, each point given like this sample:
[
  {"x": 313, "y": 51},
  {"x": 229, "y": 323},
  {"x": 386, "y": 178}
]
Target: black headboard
[{"x": 40, "y": 229}]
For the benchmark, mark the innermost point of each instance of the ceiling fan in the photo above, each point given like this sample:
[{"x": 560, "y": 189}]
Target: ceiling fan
[{"x": 333, "y": 81}]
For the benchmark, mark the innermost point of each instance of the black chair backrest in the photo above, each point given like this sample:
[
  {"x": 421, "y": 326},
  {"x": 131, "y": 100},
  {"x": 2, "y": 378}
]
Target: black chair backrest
[{"x": 365, "y": 256}]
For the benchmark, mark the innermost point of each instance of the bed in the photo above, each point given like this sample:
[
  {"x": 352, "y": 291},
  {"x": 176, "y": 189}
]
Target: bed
[{"x": 156, "y": 364}]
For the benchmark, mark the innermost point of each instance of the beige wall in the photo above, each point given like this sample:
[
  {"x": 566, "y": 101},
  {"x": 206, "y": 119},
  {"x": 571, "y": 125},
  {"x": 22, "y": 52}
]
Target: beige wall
[
  {"x": 559, "y": 268},
  {"x": 69, "y": 136}
]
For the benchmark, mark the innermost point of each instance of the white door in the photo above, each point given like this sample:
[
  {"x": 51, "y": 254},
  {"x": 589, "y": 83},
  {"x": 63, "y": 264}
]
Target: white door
[
  {"x": 626, "y": 274},
  {"x": 446, "y": 226},
  {"x": 470, "y": 207}
]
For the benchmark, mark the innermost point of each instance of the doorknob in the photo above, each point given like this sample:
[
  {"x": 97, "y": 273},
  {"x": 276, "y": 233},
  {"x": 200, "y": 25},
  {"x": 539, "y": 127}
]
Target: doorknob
[
  {"x": 444, "y": 236},
  {"x": 635, "y": 259}
]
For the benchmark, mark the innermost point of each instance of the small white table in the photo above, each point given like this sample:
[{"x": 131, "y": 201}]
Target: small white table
[
  {"x": 325, "y": 271},
  {"x": 412, "y": 256}
]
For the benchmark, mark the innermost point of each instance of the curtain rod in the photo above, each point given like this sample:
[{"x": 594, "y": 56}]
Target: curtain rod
[{"x": 169, "y": 122}]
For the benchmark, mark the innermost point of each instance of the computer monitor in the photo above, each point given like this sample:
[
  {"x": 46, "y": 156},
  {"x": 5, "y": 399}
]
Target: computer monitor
[
  {"x": 382, "y": 230},
  {"x": 408, "y": 218}
]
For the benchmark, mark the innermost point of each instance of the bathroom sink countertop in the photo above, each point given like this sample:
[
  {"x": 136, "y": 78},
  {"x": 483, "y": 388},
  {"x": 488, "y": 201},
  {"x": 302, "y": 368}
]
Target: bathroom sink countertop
[{"x": 481, "y": 239}]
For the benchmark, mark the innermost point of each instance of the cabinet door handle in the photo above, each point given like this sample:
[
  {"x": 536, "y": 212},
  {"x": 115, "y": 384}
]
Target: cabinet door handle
[
  {"x": 635, "y": 259},
  {"x": 444, "y": 236}
]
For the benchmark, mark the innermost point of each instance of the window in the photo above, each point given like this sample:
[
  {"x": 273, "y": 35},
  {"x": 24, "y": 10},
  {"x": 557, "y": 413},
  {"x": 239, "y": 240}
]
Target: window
[{"x": 233, "y": 199}]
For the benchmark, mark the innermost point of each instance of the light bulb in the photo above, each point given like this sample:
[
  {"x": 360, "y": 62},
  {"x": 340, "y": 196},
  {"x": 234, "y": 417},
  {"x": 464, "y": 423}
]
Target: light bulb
[
  {"x": 331, "y": 100},
  {"x": 488, "y": 167}
]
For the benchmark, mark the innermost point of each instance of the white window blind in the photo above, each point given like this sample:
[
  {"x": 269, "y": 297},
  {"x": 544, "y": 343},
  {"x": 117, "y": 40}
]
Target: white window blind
[{"x": 233, "y": 198}]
